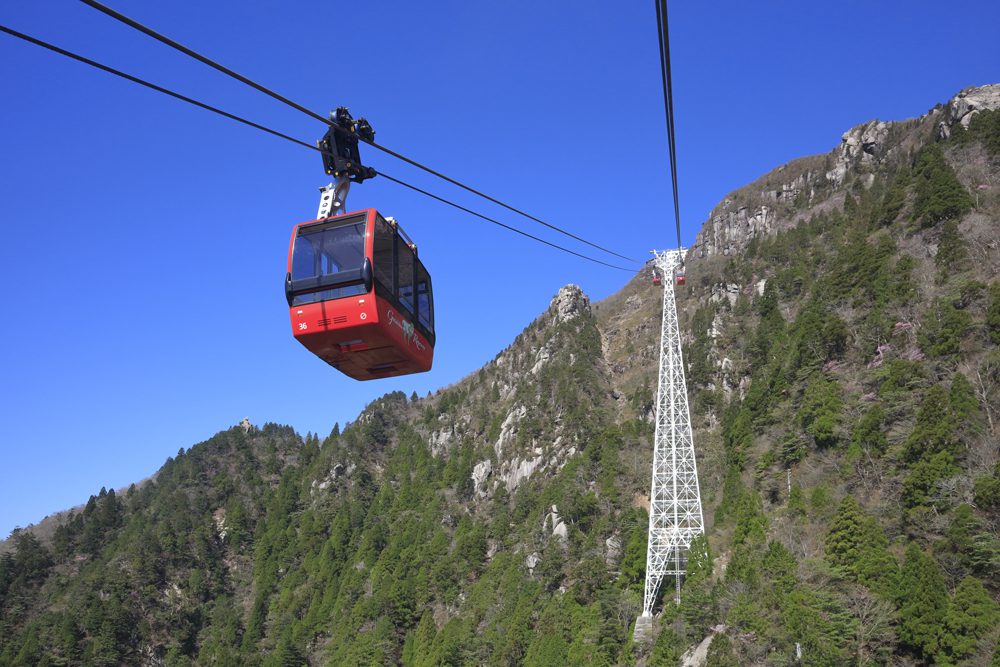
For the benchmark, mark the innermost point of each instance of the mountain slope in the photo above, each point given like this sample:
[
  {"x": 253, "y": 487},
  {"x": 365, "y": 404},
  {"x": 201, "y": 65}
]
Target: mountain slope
[{"x": 842, "y": 323}]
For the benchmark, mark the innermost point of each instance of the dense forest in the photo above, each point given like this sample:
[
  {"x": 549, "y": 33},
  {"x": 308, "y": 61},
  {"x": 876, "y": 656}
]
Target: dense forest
[{"x": 844, "y": 375}]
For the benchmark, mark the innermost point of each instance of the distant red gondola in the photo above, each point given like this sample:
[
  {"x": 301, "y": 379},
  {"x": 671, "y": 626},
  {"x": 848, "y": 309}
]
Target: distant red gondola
[
  {"x": 360, "y": 298},
  {"x": 656, "y": 279},
  {"x": 680, "y": 277}
]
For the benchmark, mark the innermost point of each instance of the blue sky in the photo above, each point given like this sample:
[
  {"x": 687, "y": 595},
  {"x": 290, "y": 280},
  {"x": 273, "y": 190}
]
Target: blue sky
[{"x": 145, "y": 240}]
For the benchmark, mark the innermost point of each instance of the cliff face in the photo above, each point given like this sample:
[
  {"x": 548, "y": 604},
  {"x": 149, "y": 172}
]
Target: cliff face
[
  {"x": 841, "y": 323},
  {"x": 809, "y": 186}
]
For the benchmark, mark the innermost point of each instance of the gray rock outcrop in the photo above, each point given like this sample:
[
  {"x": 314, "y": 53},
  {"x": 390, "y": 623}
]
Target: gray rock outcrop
[
  {"x": 569, "y": 303},
  {"x": 480, "y": 473},
  {"x": 791, "y": 193},
  {"x": 967, "y": 104}
]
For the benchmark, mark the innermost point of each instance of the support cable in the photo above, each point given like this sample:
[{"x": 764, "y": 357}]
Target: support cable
[
  {"x": 668, "y": 103},
  {"x": 312, "y": 114},
  {"x": 282, "y": 135}
]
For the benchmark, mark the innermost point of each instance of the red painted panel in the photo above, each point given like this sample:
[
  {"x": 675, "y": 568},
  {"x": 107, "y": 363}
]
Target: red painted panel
[{"x": 363, "y": 336}]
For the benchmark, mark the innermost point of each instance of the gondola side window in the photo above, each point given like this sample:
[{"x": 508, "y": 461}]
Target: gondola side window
[
  {"x": 425, "y": 308},
  {"x": 328, "y": 251},
  {"x": 382, "y": 254},
  {"x": 405, "y": 292}
]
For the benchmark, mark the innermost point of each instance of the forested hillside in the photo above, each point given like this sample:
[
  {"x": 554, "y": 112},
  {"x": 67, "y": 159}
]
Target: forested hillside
[{"x": 842, "y": 347}]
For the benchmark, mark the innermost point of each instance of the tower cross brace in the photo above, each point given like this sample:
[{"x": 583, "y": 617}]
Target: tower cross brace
[{"x": 675, "y": 515}]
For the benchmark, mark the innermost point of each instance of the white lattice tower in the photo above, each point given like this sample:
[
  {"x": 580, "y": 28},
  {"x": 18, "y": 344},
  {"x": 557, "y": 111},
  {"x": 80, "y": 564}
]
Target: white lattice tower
[{"x": 675, "y": 516}]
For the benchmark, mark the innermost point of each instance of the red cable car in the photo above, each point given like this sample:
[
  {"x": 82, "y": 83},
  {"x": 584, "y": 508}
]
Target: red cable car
[
  {"x": 656, "y": 278},
  {"x": 360, "y": 298},
  {"x": 680, "y": 277}
]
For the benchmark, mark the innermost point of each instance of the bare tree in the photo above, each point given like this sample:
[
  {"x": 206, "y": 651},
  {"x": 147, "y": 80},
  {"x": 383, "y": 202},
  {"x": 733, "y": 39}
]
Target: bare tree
[
  {"x": 875, "y": 637},
  {"x": 986, "y": 383}
]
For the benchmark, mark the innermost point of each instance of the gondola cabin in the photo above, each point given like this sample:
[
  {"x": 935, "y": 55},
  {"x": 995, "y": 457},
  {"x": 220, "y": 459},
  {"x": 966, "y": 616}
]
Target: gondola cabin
[
  {"x": 656, "y": 279},
  {"x": 360, "y": 298},
  {"x": 680, "y": 277}
]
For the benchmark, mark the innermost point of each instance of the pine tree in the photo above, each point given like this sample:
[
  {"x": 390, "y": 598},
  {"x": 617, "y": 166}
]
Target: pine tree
[
  {"x": 972, "y": 614},
  {"x": 985, "y": 126},
  {"x": 286, "y": 654},
  {"x": 963, "y": 403},
  {"x": 867, "y": 436},
  {"x": 857, "y": 546},
  {"x": 939, "y": 194},
  {"x": 546, "y": 649},
  {"x": 698, "y": 604},
  {"x": 993, "y": 311},
  {"x": 943, "y": 328},
  {"x": 720, "y": 652},
  {"x": 934, "y": 428},
  {"x": 797, "y": 501},
  {"x": 667, "y": 649},
  {"x": 921, "y": 485},
  {"x": 951, "y": 256},
  {"x": 633, "y": 563},
  {"x": 893, "y": 201},
  {"x": 988, "y": 490},
  {"x": 820, "y": 411},
  {"x": 923, "y": 602}
]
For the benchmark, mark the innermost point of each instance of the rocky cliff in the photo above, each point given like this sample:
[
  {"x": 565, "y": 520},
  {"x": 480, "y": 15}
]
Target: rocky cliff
[
  {"x": 809, "y": 186},
  {"x": 841, "y": 324}
]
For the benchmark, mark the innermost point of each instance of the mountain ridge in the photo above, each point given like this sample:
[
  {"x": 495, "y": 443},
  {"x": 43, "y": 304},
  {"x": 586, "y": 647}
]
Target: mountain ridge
[{"x": 844, "y": 380}]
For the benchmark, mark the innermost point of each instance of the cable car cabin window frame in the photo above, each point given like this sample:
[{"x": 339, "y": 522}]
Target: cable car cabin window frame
[
  {"x": 421, "y": 311},
  {"x": 425, "y": 296},
  {"x": 384, "y": 255},
  {"x": 406, "y": 276},
  {"x": 321, "y": 283}
]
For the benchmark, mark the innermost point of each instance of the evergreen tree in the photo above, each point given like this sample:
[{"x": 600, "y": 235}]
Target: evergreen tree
[
  {"x": 934, "y": 429},
  {"x": 962, "y": 402},
  {"x": 893, "y": 201},
  {"x": 993, "y": 313},
  {"x": 944, "y": 326},
  {"x": 820, "y": 411},
  {"x": 547, "y": 649},
  {"x": 951, "y": 256},
  {"x": 923, "y": 603},
  {"x": 667, "y": 649},
  {"x": 938, "y": 193},
  {"x": 985, "y": 126},
  {"x": 797, "y": 501},
  {"x": 720, "y": 652},
  {"x": 286, "y": 654},
  {"x": 971, "y": 615},
  {"x": 30, "y": 654},
  {"x": 856, "y": 545},
  {"x": 868, "y": 435},
  {"x": 698, "y": 604},
  {"x": 988, "y": 490},
  {"x": 633, "y": 563},
  {"x": 920, "y": 486}
]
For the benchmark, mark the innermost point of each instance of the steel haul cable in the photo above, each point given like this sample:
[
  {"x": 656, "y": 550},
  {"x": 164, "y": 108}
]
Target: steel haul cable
[
  {"x": 282, "y": 135},
  {"x": 668, "y": 103},
  {"x": 312, "y": 114}
]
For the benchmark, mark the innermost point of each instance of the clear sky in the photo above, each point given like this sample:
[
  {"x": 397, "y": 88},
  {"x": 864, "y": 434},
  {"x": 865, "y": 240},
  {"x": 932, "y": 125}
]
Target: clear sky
[{"x": 145, "y": 240}]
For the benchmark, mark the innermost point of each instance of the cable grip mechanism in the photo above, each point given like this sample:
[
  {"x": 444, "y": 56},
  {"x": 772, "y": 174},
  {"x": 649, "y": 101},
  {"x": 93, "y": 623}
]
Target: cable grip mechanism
[{"x": 342, "y": 160}]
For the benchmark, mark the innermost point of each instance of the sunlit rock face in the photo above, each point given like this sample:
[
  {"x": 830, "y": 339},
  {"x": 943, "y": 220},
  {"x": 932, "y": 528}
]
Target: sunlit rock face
[{"x": 793, "y": 192}]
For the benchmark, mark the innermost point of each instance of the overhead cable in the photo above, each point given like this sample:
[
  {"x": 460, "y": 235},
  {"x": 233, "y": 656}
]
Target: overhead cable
[
  {"x": 312, "y": 114},
  {"x": 282, "y": 135},
  {"x": 668, "y": 104}
]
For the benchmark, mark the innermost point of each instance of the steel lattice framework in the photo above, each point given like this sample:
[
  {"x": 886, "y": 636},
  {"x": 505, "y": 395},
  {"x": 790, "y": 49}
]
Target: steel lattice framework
[{"x": 675, "y": 515}]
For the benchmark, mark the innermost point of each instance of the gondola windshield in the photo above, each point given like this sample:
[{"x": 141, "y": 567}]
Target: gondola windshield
[{"x": 324, "y": 251}]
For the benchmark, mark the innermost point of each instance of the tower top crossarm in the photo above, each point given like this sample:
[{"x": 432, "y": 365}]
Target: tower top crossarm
[{"x": 668, "y": 260}]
